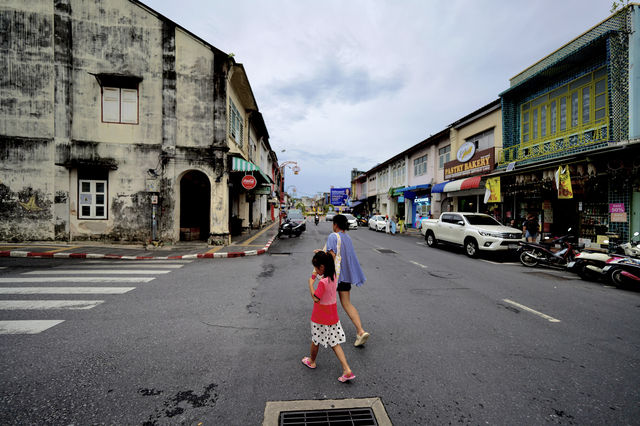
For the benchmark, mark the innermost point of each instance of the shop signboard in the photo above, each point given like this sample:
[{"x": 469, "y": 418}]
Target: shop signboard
[
  {"x": 616, "y": 208},
  {"x": 618, "y": 217},
  {"x": 479, "y": 162},
  {"x": 248, "y": 182}
]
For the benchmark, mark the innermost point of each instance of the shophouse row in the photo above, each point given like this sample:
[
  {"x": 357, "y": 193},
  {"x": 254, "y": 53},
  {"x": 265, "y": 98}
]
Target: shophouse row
[
  {"x": 561, "y": 142},
  {"x": 117, "y": 123}
]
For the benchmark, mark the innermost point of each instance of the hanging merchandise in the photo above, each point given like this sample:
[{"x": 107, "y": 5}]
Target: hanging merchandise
[
  {"x": 563, "y": 183},
  {"x": 492, "y": 191}
]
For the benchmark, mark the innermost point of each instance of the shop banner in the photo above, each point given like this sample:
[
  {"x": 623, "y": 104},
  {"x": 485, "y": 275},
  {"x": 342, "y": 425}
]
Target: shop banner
[
  {"x": 492, "y": 191},
  {"x": 563, "y": 183}
]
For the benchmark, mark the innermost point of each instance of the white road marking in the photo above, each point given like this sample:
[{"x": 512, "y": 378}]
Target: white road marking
[
  {"x": 140, "y": 262},
  {"x": 96, "y": 271},
  {"x": 76, "y": 280},
  {"x": 48, "y": 304},
  {"x": 3, "y": 267},
  {"x": 500, "y": 263},
  {"x": 127, "y": 265},
  {"x": 419, "y": 264},
  {"x": 65, "y": 290},
  {"x": 27, "y": 326},
  {"x": 525, "y": 308}
]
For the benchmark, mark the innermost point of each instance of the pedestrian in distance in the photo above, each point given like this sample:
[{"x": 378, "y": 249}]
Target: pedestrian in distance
[
  {"x": 340, "y": 246},
  {"x": 326, "y": 329},
  {"x": 387, "y": 228},
  {"x": 530, "y": 228}
]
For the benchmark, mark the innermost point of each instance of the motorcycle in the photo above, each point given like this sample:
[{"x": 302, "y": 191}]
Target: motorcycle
[
  {"x": 534, "y": 254},
  {"x": 316, "y": 220},
  {"x": 362, "y": 221},
  {"x": 623, "y": 271},
  {"x": 290, "y": 228},
  {"x": 589, "y": 264}
]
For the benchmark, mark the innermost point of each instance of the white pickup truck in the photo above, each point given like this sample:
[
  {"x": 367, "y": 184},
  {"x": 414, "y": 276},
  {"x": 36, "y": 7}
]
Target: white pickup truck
[{"x": 473, "y": 231}]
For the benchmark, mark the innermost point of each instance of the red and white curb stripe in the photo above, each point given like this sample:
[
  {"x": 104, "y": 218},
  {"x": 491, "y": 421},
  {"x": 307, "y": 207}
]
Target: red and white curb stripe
[{"x": 17, "y": 253}]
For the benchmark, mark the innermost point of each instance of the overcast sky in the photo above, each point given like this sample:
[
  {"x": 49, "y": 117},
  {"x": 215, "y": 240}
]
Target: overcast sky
[{"x": 346, "y": 84}]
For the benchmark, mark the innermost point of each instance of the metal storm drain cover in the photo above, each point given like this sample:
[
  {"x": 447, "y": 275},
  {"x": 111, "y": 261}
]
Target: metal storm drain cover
[
  {"x": 329, "y": 412},
  {"x": 348, "y": 416},
  {"x": 384, "y": 250}
]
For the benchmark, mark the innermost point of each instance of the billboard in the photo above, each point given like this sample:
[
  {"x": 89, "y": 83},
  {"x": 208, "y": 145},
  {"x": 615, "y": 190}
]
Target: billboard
[{"x": 340, "y": 196}]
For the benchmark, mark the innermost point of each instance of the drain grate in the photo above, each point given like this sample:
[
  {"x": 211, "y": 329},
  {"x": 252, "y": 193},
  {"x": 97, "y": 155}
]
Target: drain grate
[
  {"x": 384, "y": 250},
  {"x": 338, "y": 417}
]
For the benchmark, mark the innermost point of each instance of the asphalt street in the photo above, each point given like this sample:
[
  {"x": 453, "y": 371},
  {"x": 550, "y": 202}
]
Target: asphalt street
[{"x": 211, "y": 341}]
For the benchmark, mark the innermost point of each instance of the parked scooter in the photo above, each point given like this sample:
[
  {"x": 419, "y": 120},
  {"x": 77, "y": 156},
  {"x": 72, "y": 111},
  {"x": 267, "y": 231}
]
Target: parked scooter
[
  {"x": 588, "y": 264},
  {"x": 623, "y": 272},
  {"x": 534, "y": 254},
  {"x": 290, "y": 228}
]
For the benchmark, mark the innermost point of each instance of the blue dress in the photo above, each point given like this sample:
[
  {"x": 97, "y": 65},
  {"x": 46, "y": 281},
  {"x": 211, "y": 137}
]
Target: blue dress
[{"x": 350, "y": 270}]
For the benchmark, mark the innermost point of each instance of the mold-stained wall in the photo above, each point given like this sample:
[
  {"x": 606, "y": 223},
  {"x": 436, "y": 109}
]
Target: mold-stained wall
[
  {"x": 194, "y": 92},
  {"x": 26, "y": 120},
  {"x": 58, "y": 56},
  {"x": 116, "y": 37}
]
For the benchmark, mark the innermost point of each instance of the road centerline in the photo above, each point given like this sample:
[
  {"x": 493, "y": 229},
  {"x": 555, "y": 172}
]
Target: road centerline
[{"x": 533, "y": 311}]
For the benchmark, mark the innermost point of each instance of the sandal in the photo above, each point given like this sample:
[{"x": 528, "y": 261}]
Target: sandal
[
  {"x": 307, "y": 361},
  {"x": 361, "y": 340},
  {"x": 346, "y": 377}
]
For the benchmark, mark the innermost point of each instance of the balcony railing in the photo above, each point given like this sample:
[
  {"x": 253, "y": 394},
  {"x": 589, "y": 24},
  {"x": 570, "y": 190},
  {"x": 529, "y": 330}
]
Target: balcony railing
[{"x": 567, "y": 144}]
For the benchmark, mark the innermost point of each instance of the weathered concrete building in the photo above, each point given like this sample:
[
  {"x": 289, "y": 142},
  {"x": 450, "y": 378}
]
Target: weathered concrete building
[{"x": 116, "y": 123}]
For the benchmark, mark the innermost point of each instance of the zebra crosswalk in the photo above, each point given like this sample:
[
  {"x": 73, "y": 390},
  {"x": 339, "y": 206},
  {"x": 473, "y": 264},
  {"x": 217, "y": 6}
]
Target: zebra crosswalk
[{"x": 17, "y": 292}]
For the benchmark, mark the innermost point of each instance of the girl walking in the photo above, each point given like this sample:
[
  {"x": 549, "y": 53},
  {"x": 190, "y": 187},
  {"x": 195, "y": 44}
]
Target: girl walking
[{"x": 325, "y": 324}]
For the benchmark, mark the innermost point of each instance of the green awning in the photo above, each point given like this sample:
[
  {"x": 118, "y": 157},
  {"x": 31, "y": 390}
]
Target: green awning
[{"x": 241, "y": 165}]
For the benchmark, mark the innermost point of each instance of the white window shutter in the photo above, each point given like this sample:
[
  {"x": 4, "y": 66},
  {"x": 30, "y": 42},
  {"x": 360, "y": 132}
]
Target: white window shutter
[
  {"x": 129, "y": 106},
  {"x": 110, "y": 105}
]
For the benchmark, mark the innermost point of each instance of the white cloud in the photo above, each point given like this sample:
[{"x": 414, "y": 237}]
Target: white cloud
[{"x": 348, "y": 84}]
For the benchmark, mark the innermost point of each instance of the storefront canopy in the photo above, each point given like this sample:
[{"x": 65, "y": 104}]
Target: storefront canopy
[
  {"x": 457, "y": 185},
  {"x": 241, "y": 165}
]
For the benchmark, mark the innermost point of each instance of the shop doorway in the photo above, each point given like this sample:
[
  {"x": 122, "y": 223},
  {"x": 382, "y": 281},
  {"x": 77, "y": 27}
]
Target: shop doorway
[
  {"x": 195, "y": 205},
  {"x": 635, "y": 213}
]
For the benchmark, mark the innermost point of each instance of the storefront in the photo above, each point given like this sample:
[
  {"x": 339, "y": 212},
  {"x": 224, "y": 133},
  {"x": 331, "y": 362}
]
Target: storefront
[
  {"x": 597, "y": 202},
  {"x": 416, "y": 203}
]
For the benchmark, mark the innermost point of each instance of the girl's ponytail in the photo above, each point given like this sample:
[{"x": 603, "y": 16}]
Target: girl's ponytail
[{"x": 322, "y": 258}]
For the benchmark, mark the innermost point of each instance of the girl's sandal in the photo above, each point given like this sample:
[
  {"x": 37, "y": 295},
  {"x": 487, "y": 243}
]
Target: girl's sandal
[
  {"x": 346, "y": 377},
  {"x": 307, "y": 361}
]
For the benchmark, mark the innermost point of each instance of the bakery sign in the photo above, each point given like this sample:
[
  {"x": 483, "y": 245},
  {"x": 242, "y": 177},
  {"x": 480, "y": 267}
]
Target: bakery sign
[{"x": 478, "y": 162}]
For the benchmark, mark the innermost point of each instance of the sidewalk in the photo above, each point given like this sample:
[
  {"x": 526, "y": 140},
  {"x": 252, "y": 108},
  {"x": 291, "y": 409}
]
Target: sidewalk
[{"x": 250, "y": 243}]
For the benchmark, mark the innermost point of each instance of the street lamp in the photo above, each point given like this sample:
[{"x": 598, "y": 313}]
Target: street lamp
[{"x": 296, "y": 169}]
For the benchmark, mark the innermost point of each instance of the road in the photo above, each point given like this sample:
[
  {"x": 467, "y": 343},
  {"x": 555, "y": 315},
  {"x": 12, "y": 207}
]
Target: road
[{"x": 453, "y": 339}]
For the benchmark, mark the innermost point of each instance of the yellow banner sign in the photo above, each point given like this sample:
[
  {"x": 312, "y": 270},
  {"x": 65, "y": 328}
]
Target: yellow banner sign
[
  {"x": 492, "y": 191},
  {"x": 563, "y": 182}
]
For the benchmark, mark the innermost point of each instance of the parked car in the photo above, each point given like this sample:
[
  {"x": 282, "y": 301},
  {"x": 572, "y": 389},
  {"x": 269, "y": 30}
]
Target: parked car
[
  {"x": 353, "y": 222},
  {"x": 296, "y": 216},
  {"x": 473, "y": 231},
  {"x": 377, "y": 223},
  {"x": 329, "y": 217}
]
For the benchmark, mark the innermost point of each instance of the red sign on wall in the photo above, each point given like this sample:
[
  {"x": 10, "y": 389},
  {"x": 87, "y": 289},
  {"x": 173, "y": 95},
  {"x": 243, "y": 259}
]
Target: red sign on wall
[{"x": 249, "y": 182}]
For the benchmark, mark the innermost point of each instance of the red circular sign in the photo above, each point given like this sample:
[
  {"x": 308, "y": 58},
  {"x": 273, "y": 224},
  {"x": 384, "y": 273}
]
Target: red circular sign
[{"x": 249, "y": 182}]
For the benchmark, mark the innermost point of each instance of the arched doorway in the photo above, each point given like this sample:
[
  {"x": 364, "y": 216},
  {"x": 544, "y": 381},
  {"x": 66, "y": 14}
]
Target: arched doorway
[{"x": 195, "y": 205}]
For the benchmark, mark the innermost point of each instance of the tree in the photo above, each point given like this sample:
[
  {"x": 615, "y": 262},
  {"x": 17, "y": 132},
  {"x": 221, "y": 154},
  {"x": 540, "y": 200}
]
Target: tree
[{"x": 619, "y": 4}]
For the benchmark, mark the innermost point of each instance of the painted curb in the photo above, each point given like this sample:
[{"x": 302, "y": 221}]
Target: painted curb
[{"x": 45, "y": 255}]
